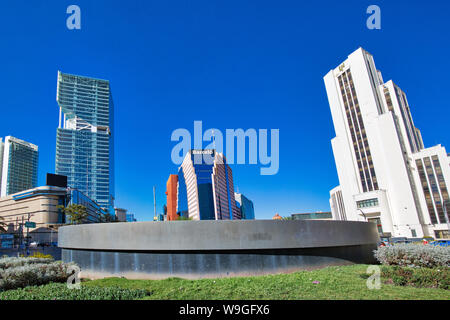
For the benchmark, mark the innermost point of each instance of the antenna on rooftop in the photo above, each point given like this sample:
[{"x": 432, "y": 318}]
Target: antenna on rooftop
[{"x": 154, "y": 201}]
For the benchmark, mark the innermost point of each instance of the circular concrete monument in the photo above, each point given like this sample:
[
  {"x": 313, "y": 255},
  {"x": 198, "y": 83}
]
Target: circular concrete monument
[{"x": 206, "y": 249}]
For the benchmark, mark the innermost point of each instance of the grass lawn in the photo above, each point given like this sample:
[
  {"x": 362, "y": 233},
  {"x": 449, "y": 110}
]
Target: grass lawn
[{"x": 346, "y": 282}]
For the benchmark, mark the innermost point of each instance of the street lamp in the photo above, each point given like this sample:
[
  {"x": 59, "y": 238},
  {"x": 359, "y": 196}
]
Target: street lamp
[{"x": 362, "y": 213}]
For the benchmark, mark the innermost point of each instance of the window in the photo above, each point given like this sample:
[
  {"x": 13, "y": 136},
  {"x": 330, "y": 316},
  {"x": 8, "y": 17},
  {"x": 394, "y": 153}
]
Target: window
[{"x": 367, "y": 203}]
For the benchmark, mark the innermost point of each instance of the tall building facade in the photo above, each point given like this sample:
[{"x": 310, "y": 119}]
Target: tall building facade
[
  {"x": 386, "y": 175},
  {"x": 19, "y": 166},
  {"x": 205, "y": 187},
  {"x": 85, "y": 137},
  {"x": 245, "y": 206},
  {"x": 171, "y": 193}
]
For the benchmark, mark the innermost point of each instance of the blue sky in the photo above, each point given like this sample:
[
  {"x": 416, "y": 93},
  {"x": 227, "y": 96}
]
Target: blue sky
[{"x": 232, "y": 64}]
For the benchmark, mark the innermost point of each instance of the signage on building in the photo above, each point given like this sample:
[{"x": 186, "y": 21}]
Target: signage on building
[
  {"x": 200, "y": 151},
  {"x": 30, "y": 224}
]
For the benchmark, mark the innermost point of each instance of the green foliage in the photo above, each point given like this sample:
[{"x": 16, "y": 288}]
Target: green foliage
[
  {"x": 13, "y": 262},
  {"x": 418, "y": 277},
  {"x": 2, "y": 225},
  {"x": 59, "y": 291},
  {"x": 75, "y": 213},
  {"x": 38, "y": 254},
  {"x": 34, "y": 274},
  {"x": 335, "y": 283},
  {"x": 181, "y": 218},
  {"x": 413, "y": 255},
  {"x": 108, "y": 218},
  {"x": 23, "y": 272}
]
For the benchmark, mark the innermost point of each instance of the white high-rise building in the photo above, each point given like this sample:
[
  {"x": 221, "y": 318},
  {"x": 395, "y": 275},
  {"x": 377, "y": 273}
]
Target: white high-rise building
[
  {"x": 385, "y": 173},
  {"x": 18, "y": 166}
]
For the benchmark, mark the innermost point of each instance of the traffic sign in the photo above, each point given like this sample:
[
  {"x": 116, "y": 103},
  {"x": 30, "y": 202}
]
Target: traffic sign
[{"x": 30, "y": 224}]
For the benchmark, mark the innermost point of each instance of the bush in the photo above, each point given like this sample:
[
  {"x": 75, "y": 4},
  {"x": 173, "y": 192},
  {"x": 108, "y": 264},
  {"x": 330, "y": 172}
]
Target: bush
[
  {"x": 12, "y": 262},
  {"x": 418, "y": 277},
  {"x": 414, "y": 256},
  {"x": 59, "y": 291},
  {"x": 34, "y": 274},
  {"x": 38, "y": 254},
  {"x": 22, "y": 272}
]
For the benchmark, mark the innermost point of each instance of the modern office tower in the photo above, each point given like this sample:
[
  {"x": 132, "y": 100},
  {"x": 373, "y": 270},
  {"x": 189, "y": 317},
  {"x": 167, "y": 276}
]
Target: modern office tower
[
  {"x": 385, "y": 174},
  {"x": 84, "y": 142},
  {"x": 245, "y": 206},
  {"x": 205, "y": 187},
  {"x": 171, "y": 193},
  {"x": 19, "y": 169}
]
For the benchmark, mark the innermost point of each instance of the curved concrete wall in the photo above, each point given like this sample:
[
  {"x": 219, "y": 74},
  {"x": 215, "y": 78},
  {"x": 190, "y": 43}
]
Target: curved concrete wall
[{"x": 197, "y": 249}]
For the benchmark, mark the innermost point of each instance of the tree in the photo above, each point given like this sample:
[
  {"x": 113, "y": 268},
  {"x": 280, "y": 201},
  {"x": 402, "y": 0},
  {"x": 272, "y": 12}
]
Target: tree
[
  {"x": 2, "y": 225},
  {"x": 75, "y": 213},
  {"x": 107, "y": 217}
]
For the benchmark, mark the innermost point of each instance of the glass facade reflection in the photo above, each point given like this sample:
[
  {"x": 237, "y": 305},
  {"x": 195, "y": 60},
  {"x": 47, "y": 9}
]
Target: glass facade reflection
[
  {"x": 205, "y": 187},
  {"x": 84, "y": 142},
  {"x": 19, "y": 170}
]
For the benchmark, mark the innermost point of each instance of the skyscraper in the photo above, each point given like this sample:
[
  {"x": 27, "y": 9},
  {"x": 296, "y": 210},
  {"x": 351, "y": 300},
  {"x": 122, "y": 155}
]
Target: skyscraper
[
  {"x": 245, "y": 206},
  {"x": 85, "y": 137},
  {"x": 171, "y": 193},
  {"x": 205, "y": 187},
  {"x": 19, "y": 166},
  {"x": 385, "y": 174}
]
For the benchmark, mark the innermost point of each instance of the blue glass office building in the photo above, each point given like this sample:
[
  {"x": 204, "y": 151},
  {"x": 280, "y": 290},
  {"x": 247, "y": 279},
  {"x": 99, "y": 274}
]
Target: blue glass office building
[
  {"x": 85, "y": 137},
  {"x": 245, "y": 206},
  {"x": 205, "y": 187}
]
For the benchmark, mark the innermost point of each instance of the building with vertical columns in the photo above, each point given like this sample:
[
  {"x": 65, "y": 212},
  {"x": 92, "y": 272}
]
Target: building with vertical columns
[
  {"x": 19, "y": 166},
  {"x": 385, "y": 174},
  {"x": 85, "y": 137},
  {"x": 205, "y": 189}
]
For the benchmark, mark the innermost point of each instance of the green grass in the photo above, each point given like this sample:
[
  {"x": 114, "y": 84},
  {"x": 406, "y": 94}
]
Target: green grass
[{"x": 348, "y": 282}]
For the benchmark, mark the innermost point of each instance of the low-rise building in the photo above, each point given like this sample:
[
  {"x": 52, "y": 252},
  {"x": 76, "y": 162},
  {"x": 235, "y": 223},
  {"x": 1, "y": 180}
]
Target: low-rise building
[
  {"x": 38, "y": 208},
  {"x": 121, "y": 214}
]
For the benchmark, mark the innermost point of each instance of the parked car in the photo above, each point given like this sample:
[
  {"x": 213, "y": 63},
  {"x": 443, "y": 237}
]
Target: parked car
[{"x": 34, "y": 244}]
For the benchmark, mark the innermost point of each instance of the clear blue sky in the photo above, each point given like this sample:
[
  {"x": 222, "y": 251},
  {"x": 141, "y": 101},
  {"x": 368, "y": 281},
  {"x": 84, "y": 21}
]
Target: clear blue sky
[{"x": 232, "y": 64}]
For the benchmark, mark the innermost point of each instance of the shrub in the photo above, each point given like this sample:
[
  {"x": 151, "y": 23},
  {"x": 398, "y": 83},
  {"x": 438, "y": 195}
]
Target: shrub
[
  {"x": 418, "y": 277},
  {"x": 414, "y": 256},
  {"x": 12, "y": 262},
  {"x": 22, "y": 272},
  {"x": 38, "y": 254},
  {"x": 59, "y": 291}
]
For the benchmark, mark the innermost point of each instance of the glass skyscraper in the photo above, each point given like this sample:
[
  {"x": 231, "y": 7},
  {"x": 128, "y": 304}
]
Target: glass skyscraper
[
  {"x": 85, "y": 137},
  {"x": 18, "y": 166},
  {"x": 245, "y": 206},
  {"x": 205, "y": 187}
]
